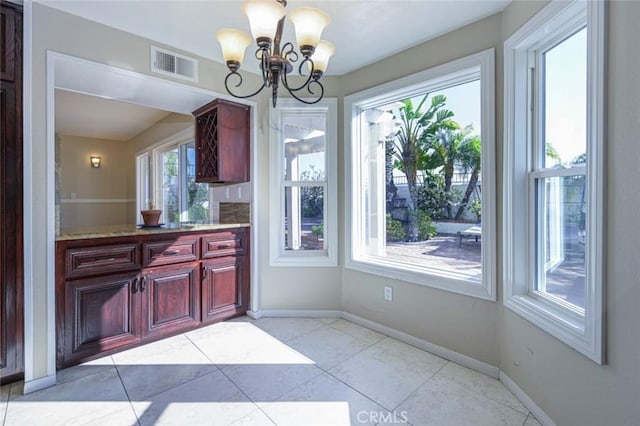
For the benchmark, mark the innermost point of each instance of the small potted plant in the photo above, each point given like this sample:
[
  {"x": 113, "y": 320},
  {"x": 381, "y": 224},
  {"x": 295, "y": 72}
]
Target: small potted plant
[{"x": 150, "y": 217}]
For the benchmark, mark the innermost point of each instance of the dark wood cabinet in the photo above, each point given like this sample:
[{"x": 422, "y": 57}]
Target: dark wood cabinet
[
  {"x": 224, "y": 287},
  {"x": 170, "y": 298},
  {"x": 102, "y": 315},
  {"x": 11, "y": 183},
  {"x": 111, "y": 294},
  {"x": 222, "y": 142}
]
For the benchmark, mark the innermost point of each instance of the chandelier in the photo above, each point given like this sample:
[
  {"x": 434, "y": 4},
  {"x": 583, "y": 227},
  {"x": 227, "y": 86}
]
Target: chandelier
[{"x": 266, "y": 18}]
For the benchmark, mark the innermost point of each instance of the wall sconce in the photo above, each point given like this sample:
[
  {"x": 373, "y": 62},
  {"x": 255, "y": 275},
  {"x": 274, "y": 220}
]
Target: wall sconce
[{"x": 95, "y": 162}]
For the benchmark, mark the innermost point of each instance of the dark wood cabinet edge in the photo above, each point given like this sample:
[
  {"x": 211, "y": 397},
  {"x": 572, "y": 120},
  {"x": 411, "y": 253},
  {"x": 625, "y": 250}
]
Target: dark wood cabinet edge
[{"x": 17, "y": 372}]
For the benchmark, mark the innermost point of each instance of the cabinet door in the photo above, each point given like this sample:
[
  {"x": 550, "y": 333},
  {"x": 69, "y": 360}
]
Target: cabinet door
[
  {"x": 170, "y": 298},
  {"x": 100, "y": 315},
  {"x": 225, "y": 288}
]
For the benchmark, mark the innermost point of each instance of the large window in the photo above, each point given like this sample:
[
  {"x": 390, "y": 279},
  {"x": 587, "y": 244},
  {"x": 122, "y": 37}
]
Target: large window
[
  {"x": 553, "y": 173},
  {"x": 166, "y": 179},
  {"x": 304, "y": 178},
  {"x": 420, "y": 178}
]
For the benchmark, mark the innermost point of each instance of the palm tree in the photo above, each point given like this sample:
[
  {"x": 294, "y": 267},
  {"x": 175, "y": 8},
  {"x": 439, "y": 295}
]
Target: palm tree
[
  {"x": 448, "y": 150},
  {"x": 470, "y": 159},
  {"x": 417, "y": 127}
]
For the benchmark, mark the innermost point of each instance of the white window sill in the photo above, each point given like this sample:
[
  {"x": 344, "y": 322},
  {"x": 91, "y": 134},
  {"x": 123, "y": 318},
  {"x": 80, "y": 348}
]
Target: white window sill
[
  {"x": 319, "y": 258},
  {"x": 447, "y": 280}
]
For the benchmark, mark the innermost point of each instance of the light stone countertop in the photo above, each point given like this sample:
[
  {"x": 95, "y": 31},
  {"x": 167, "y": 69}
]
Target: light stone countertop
[{"x": 126, "y": 230}]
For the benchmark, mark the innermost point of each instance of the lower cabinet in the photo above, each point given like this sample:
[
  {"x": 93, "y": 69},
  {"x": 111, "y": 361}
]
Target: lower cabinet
[
  {"x": 224, "y": 287},
  {"x": 102, "y": 314},
  {"x": 170, "y": 298},
  {"x": 109, "y": 297}
]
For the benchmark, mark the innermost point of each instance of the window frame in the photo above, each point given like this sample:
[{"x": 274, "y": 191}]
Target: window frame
[
  {"x": 278, "y": 256},
  {"x": 153, "y": 157},
  {"x": 582, "y": 329},
  {"x": 449, "y": 74}
]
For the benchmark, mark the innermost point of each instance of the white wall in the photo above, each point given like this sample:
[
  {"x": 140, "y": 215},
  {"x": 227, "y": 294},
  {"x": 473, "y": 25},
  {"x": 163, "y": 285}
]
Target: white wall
[{"x": 81, "y": 185}]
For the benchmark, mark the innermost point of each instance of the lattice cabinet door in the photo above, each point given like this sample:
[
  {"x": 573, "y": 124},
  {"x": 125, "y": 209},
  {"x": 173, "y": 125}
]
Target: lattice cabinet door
[{"x": 222, "y": 142}]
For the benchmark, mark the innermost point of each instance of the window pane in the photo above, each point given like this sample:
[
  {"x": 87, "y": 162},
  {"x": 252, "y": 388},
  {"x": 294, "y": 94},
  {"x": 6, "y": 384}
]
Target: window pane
[
  {"x": 565, "y": 101},
  {"x": 197, "y": 194},
  {"x": 170, "y": 186},
  {"x": 421, "y": 194},
  {"x": 304, "y": 147},
  {"x": 304, "y": 218},
  {"x": 561, "y": 236}
]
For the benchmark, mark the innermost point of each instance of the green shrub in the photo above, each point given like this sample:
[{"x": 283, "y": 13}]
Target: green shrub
[
  {"x": 476, "y": 209},
  {"x": 426, "y": 229},
  {"x": 395, "y": 231},
  {"x": 317, "y": 231}
]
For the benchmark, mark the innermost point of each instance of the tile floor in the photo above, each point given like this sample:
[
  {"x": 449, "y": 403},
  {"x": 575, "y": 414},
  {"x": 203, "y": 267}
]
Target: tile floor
[{"x": 273, "y": 371}]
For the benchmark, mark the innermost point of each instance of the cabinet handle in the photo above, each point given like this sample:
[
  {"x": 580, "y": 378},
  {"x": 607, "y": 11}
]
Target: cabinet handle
[
  {"x": 104, "y": 260},
  {"x": 224, "y": 246},
  {"x": 170, "y": 252},
  {"x": 143, "y": 283},
  {"x": 134, "y": 285},
  {"x": 204, "y": 272}
]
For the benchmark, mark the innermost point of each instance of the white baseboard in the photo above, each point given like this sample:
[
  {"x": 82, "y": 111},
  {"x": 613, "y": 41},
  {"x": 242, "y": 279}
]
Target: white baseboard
[
  {"x": 526, "y": 400},
  {"x": 458, "y": 358},
  {"x": 294, "y": 313},
  {"x": 39, "y": 384},
  {"x": 254, "y": 314}
]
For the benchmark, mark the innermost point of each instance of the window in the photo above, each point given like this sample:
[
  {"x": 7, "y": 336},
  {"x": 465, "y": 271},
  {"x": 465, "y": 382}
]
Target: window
[
  {"x": 554, "y": 97},
  {"x": 172, "y": 186},
  {"x": 303, "y": 158},
  {"x": 420, "y": 178}
]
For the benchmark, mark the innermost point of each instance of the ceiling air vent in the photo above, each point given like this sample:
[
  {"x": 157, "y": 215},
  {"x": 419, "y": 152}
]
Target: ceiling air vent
[{"x": 173, "y": 64}]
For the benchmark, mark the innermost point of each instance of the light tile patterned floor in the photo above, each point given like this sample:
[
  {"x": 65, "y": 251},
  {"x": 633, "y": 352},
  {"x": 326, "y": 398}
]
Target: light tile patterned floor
[{"x": 274, "y": 371}]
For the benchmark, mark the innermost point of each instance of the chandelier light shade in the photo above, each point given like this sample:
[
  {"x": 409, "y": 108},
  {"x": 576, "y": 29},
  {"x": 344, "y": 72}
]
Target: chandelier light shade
[
  {"x": 308, "y": 23},
  {"x": 276, "y": 60},
  {"x": 321, "y": 56},
  {"x": 263, "y": 16},
  {"x": 233, "y": 43}
]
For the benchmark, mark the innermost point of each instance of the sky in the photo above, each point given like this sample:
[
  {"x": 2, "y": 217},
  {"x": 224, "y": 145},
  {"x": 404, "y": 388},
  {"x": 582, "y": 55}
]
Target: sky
[{"x": 566, "y": 96}]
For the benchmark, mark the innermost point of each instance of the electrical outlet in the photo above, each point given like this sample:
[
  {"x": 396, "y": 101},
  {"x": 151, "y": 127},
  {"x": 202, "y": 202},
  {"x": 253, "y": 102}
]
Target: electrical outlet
[{"x": 388, "y": 293}]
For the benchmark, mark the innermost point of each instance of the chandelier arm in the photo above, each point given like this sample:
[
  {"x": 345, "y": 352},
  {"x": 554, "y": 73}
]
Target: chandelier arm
[
  {"x": 289, "y": 53},
  {"x": 226, "y": 85},
  {"x": 307, "y": 82},
  {"x": 304, "y": 101}
]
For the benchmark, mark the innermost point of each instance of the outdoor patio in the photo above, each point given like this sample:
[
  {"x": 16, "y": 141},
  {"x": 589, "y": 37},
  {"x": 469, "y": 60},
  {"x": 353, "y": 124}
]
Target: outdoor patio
[{"x": 443, "y": 252}]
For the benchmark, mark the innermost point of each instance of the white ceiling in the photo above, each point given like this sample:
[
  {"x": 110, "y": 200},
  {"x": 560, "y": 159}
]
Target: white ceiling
[
  {"x": 364, "y": 31},
  {"x": 95, "y": 117}
]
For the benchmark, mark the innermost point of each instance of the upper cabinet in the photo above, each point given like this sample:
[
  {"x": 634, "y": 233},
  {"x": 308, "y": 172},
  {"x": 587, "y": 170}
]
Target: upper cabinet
[{"x": 222, "y": 142}]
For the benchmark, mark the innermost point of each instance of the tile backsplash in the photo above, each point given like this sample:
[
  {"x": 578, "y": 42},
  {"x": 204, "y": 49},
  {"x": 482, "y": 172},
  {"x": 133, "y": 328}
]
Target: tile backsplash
[{"x": 235, "y": 212}]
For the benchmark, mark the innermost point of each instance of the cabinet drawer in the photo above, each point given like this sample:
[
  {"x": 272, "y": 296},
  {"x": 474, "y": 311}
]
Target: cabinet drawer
[
  {"x": 165, "y": 252},
  {"x": 82, "y": 262},
  {"x": 227, "y": 243}
]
